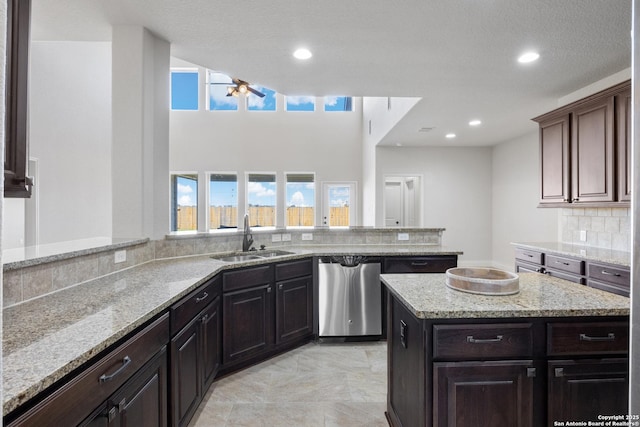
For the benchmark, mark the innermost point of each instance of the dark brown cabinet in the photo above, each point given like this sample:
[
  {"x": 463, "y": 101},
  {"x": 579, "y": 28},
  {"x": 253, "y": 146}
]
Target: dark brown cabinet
[
  {"x": 623, "y": 144},
  {"x": 195, "y": 349},
  {"x": 294, "y": 311},
  {"x": 554, "y": 159},
  {"x": 581, "y": 390},
  {"x": 419, "y": 264},
  {"x": 248, "y": 324},
  {"x": 142, "y": 401},
  {"x": 484, "y": 394},
  {"x": 120, "y": 383},
  {"x": 584, "y": 151},
  {"x": 512, "y": 371}
]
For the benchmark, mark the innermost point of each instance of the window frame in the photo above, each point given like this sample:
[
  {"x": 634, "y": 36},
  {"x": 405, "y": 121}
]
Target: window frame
[
  {"x": 173, "y": 185},
  {"x": 286, "y": 199},
  {"x": 276, "y": 197},
  {"x": 208, "y": 204}
]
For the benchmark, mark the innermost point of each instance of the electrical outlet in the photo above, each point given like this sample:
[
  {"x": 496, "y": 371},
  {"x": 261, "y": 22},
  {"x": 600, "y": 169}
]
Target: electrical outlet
[
  {"x": 403, "y": 236},
  {"x": 307, "y": 236},
  {"x": 286, "y": 237},
  {"x": 583, "y": 235},
  {"x": 120, "y": 256},
  {"x": 276, "y": 237}
]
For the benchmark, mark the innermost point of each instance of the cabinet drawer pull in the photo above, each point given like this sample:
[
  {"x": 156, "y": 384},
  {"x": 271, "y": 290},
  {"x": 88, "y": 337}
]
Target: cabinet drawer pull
[
  {"x": 473, "y": 340},
  {"x": 280, "y": 287},
  {"x": 125, "y": 362},
  {"x": 419, "y": 263},
  {"x": 529, "y": 255},
  {"x": 560, "y": 262},
  {"x": 610, "y": 337},
  {"x": 606, "y": 273},
  {"x": 203, "y": 297}
]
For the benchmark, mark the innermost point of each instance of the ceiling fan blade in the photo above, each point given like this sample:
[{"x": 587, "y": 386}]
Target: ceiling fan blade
[{"x": 255, "y": 92}]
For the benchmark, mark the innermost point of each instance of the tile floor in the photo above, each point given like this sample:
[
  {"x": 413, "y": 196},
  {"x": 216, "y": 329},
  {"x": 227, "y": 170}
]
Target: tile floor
[{"x": 314, "y": 385}]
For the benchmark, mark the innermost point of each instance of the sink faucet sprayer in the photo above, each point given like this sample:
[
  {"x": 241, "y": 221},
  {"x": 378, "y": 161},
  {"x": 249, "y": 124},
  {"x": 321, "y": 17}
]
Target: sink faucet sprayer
[{"x": 247, "y": 240}]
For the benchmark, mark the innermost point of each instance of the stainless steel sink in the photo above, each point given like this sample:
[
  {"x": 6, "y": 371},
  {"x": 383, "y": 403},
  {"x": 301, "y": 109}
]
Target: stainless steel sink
[
  {"x": 248, "y": 256},
  {"x": 236, "y": 258},
  {"x": 272, "y": 253}
]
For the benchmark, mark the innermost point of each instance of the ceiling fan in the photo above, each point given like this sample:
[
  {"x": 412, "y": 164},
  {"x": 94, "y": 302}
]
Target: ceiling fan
[{"x": 240, "y": 87}]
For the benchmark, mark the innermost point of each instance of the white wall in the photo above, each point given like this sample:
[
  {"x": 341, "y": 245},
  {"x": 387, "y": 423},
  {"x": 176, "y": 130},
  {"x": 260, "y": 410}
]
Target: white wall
[
  {"x": 457, "y": 193},
  {"x": 516, "y": 189},
  {"x": 70, "y": 134},
  {"x": 327, "y": 143}
]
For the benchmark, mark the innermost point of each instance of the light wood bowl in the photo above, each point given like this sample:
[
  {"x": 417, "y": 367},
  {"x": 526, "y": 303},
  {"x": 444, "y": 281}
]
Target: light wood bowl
[{"x": 483, "y": 281}]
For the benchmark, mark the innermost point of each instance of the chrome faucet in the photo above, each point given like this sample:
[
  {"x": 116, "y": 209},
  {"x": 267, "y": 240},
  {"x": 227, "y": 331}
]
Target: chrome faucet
[{"x": 247, "y": 240}]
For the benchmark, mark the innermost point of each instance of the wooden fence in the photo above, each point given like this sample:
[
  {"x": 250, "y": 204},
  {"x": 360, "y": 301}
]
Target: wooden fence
[{"x": 263, "y": 216}]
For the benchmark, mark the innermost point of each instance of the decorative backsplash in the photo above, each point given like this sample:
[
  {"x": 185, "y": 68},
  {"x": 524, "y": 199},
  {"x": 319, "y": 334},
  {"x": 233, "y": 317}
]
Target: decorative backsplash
[
  {"x": 608, "y": 228},
  {"x": 36, "y": 279}
]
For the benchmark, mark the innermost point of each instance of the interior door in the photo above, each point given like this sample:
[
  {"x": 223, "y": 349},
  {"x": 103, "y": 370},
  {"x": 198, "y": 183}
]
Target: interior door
[{"x": 393, "y": 203}]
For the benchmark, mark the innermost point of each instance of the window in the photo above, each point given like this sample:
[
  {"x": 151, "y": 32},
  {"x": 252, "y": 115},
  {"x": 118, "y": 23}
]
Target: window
[
  {"x": 223, "y": 201},
  {"x": 261, "y": 199},
  {"x": 301, "y": 200},
  {"x": 218, "y": 99},
  {"x": 184, "y": 202},
  {"x": 338, "y": 103},
  {"x": 300, "y": 103},
  {"x": 184, "y": 89},
  {"x": 268, "y": 103}
]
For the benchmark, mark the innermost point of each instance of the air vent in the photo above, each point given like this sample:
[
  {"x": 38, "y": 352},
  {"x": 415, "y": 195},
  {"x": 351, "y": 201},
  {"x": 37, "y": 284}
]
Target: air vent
[{"x": 425, "y": 129}]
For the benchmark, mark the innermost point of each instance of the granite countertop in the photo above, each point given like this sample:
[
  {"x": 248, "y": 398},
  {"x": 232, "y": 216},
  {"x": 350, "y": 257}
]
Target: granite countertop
[
  {"x": 46, "y": 338},
  {"x": 588, "y": 253},
  {"x": 428, "y": 297}
]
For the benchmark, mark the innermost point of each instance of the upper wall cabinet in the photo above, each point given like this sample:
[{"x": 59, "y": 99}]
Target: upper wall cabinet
[
  {"x": 16, "y": 181},
  {"x": 585, "y": 151}
]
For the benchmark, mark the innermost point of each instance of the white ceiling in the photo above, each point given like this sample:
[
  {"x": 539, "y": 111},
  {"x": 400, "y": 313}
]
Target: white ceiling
[{"x": 458, "y": 55}]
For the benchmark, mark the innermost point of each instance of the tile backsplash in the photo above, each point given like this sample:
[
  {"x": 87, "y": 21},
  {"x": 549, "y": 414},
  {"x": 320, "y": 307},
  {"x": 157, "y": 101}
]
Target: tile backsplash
[{"x": 608, "y": 228}]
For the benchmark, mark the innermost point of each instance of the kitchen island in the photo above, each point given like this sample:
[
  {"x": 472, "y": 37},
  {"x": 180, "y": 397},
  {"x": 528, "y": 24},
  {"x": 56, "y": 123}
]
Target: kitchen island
[{"x": 556, "y": 351}]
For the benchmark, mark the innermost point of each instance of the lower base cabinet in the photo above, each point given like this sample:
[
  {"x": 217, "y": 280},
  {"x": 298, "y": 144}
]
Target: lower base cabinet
[
  {"x": 505, "y": 372},
  {"x": 484, "y": 394},
  {"x": 581, "y": 390},
  {"x": 141, "y": 402}
]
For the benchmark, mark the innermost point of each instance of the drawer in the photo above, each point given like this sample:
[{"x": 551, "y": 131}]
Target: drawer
[
  {"x": 525, "y": 267},
  {"x": 420, "y": 264},
  {"x": 587, "y": 338},
  {"x": 461, "y": 342},
  {"x": 99, "y": 381},
  {"x": 609, "y": 287},
  {"x": 293, "y": 269},
  {"x": 530, "y": 256},
  {"x": 570, "y": 265},
  {"x": 609, "y": 273},
  {"x": 249, "y": 277},
  {"x": 188, "y": 307},
  {"x": 566, "y": 276}
]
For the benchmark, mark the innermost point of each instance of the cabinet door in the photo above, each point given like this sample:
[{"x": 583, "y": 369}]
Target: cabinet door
[
  {"x": 211, "y": 328},
  {"x": 294, "y": 309},
  {"x": 142, "y": 402},
  {"x": 554, "y": 160},
  {"x": 623, "y": 140},
  {"x": 580, "y": 390},
  {"x": 185, "y": 373},
  {"x": 592, "y": 150},
  {"x": 247, "y": 323},
  {"x": 483, "y": 394}
]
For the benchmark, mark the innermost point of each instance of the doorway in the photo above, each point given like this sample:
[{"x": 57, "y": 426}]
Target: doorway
[
  {"x": 339, "y": 204},
  {"x": 402, "y": 201}
]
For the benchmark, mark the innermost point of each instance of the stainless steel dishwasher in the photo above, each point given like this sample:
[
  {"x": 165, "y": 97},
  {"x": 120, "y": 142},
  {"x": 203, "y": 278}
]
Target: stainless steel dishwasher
[{"x": 349, "y": 296}]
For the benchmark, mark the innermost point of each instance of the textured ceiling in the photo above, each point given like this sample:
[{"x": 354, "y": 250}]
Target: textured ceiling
[{"x": 458, "y": 55}]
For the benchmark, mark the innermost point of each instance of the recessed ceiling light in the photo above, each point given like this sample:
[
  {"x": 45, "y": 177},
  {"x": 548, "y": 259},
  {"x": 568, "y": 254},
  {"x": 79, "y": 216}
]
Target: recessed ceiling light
[
  {"x": 302, "y": 53},
  {"x": 528, "y": 57},
  {"x": 475, "y": 123},
  {"x": 450, "y": 135}
]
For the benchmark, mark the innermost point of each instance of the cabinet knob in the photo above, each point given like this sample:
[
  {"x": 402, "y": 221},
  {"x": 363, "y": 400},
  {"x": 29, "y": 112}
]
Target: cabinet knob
[
  {"x": 531, "y": 372},
  {"x": 269, "y": 289},
  {"x": 280, "y": 286},
  {"x": 204, "y": 318},
  {"x": 559, "y": 372}
]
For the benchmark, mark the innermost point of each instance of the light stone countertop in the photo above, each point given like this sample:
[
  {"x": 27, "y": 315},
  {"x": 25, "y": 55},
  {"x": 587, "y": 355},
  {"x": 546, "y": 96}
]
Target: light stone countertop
[
  {"x": 46, "y": 338},
  {"x": 588, "y": 253},
  {"x": 428, "y": 297}
]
